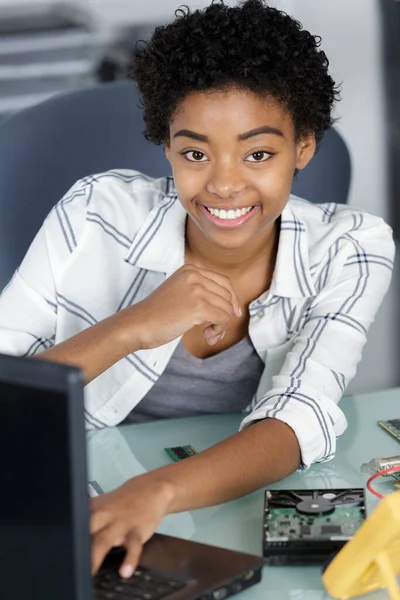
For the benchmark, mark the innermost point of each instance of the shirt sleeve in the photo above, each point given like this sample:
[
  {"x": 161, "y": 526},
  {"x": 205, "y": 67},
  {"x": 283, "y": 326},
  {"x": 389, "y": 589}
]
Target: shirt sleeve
[
  {"x": 328, "y": 347},
  {"x": 28, "y": 304}
]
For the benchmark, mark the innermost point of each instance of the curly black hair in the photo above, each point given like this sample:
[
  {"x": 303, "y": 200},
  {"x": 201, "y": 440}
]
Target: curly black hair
[{"x": 251, "y": 46}]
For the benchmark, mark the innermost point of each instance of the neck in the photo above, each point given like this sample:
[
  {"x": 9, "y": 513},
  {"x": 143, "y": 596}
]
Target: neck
[{"x": 201, "y": 252}]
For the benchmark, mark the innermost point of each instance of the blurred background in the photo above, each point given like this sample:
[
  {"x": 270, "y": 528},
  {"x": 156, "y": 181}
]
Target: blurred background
[{"x": 47, "y": 48}]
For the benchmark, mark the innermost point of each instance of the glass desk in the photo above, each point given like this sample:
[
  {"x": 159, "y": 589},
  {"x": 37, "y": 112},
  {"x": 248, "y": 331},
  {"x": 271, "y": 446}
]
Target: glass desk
[{"x": 117, "y": 454}]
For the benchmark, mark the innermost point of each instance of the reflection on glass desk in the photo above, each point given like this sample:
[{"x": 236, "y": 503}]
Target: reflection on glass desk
[{"x": 116, "y": 454}]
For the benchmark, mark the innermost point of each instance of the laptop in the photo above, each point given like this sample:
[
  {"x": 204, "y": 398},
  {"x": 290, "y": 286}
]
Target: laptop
[{"x": 44, "y": 507}]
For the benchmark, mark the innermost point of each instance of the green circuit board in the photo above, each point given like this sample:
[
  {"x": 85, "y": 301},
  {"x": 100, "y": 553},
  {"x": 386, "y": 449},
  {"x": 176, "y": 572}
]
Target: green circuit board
[
  {"x": 287, "y": 523},
  {"x": 392, "y": 426}
]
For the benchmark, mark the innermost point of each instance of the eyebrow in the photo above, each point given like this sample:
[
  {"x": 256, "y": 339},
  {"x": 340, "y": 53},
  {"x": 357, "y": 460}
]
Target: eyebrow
[
  {"x": 260, "y": 130},
  {"x": 199, "y": 137}
]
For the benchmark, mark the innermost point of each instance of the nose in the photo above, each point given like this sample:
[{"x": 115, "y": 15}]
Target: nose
[{"x": 226, "y": 180}]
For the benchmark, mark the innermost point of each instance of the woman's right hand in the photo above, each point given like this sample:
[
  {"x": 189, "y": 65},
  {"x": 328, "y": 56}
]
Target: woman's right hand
[{"x": 191, "y": 296}]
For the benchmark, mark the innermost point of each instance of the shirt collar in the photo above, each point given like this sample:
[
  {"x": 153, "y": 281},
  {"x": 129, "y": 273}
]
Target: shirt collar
[
  {"x": 292, "y": 276},
  {"x": 160, "y": 246}
]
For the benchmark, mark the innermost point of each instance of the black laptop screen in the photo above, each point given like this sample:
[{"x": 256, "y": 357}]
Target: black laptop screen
[{"x": 35, "y": 498}]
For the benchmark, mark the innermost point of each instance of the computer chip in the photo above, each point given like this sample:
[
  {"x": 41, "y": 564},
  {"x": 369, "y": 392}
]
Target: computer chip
[
  {"x": 180, "y": 452},
  {"x": 331, "y": 529},
  {"x": 392, "y": 426}
]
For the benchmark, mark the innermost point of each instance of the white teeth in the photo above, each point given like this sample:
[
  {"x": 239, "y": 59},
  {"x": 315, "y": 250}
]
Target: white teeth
[{"x": 229, "y": 214}]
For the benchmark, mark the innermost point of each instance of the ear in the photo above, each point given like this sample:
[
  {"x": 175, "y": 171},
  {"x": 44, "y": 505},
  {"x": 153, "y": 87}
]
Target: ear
[{"x": 305, "y": 150}]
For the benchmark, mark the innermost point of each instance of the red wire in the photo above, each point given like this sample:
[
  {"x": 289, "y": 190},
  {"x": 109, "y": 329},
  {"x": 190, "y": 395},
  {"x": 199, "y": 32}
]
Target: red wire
[{"x": 379, "y": 474}]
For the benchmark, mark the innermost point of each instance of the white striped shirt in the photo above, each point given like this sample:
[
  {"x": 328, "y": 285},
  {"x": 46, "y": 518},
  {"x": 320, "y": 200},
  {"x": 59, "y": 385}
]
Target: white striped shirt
[{"x": 116, "y": 236}]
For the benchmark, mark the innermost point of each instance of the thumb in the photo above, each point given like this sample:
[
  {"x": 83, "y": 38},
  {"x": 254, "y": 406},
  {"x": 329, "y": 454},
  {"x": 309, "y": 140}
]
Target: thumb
[{"x": 213, "y": 333}]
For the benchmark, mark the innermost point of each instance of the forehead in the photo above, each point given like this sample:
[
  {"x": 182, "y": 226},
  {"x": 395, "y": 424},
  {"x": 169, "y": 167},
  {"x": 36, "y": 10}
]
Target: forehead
[{"x": 231, "y": 111}]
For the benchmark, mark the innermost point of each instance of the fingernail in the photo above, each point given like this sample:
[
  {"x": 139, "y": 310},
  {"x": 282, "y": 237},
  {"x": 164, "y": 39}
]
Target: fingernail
[
  {"x": 239, "y": 312},
  {"x": 127, "y": 571}
]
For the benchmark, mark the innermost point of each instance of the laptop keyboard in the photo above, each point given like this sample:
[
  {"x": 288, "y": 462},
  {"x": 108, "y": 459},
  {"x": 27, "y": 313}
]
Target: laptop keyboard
[{"x": 143, "y": 585}]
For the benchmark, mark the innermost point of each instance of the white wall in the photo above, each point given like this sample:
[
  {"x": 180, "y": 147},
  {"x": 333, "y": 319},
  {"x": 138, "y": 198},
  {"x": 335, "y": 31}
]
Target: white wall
[{"x": 351, "y": 39}]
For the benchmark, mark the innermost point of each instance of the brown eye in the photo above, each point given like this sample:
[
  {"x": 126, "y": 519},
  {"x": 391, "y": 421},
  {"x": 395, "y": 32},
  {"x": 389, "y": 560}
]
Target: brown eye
[
  {"x": 194, "y": 155},
  {"x": 258, "y": 156},
  {"x": 197, "y": 155}
]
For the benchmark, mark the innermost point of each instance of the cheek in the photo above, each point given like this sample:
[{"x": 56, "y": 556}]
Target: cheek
[
  {"x": 274, "y": 187},
  {"x": 275, "y": 184},
  {"x": 282, "y": 178},
  {"x": 188, "y": 184}
]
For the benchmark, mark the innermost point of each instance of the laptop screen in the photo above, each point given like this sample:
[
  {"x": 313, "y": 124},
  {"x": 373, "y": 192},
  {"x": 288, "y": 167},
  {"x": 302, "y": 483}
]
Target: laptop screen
[{"x": 37, "y": 510}]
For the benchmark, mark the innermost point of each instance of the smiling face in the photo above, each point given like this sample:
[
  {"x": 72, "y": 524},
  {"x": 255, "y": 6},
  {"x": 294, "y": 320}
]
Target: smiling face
[{"x": 233, "y": 156}]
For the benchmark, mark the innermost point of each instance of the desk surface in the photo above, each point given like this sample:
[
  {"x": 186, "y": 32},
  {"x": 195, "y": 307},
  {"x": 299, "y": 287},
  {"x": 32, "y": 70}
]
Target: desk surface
[{"x": 120, "y": 453}]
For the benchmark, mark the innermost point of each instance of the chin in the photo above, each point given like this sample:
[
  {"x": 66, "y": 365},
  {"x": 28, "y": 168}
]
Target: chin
[{"x": 228, "y": 242}]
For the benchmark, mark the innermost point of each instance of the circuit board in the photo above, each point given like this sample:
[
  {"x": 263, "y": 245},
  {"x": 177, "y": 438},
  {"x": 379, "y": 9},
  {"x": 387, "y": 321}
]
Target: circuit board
[
  {"x": 392, "y": 426},
  {"x": 180, "y": 452},
  {"x": 289, "y": 524},
  {"x": 306, "y": 526}
]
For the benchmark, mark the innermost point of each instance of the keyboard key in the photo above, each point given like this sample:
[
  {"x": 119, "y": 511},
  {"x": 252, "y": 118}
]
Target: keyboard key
[{"x": 143, "y": 585}]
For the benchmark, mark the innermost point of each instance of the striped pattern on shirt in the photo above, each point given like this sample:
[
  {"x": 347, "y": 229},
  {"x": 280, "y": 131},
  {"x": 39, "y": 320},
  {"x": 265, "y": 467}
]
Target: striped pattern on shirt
[{"x": 116, "y": 236}]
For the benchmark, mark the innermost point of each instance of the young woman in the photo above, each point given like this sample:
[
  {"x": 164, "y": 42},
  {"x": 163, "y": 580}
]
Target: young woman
[{"x": 212, "y": 291}]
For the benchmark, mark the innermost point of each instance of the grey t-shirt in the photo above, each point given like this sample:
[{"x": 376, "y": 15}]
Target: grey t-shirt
[{"x": 189, "y": 386}]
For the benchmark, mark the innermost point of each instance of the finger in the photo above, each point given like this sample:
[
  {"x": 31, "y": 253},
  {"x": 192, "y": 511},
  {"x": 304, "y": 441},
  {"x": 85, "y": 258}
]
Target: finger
[
  {"x": 98, "y": 519},
  {"x": 206, "y": 284},
  {"x": 102, "y": 542},
  {"x": 214, "y": 340},
  {"x": 216, "y": 319},
  {"x": 209, "y": 307},
  {"x": 224, "y": 282},
  {"x": 224, "y": 286},
  {"x": 212, "y": 331},
  {"x": 133, "y": 545},
  {"x": 211, "y": 336}
]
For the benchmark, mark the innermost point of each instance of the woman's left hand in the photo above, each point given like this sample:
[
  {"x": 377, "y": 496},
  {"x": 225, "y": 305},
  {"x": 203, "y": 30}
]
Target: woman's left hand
[{"x": 128, "y": 517}]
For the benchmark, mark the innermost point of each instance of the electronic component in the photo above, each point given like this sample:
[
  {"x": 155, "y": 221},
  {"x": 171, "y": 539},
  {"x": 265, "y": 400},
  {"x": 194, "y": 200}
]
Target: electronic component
[
  {"x": 304, "y": 527},
  {"x": 180, "y": 452},
  {"x": 392, "y": 427},
  {"x": 94, "y": 489},
  {"x": 381, "y": 464},
  {"x": 371, "y": 560},
  {"x": 391, "y": 471}
]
